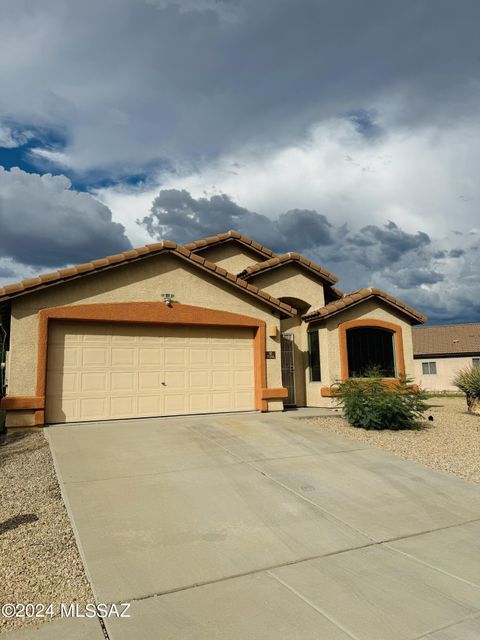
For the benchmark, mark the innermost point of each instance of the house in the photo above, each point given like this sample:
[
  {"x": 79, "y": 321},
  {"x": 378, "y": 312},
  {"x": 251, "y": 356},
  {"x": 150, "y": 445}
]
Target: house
[
  {"x": 221, "y": 324},
  {"x": 440, "y": 352}
]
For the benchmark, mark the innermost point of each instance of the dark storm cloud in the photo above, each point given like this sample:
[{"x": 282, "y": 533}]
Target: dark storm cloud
[
  {"x": 405, "y": 264},
  {"x": 414, "y": 277},
  {"x": 176, "y": 214},
  {"x": 309, "y": 228},
  {"x": 390, "y": 239},
  {"x": 150, "y": 79},
  {"x": 43, "y": 223}
]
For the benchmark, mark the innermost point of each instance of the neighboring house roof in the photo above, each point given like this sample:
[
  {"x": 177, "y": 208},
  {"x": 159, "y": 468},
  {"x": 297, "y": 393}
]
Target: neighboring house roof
[
  {"x": 229, "y": 236},
  {"x": 288, "y": 258},
  {"x": 351, "y": 299},
  {"x": 447, "y": 340},
  {"x": 70, "y": 273}
]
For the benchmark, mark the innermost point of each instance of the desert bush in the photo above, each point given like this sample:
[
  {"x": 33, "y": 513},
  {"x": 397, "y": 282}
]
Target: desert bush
[
  {"x": 468, "y": 381},
  {"x": 372, "y": 404}
]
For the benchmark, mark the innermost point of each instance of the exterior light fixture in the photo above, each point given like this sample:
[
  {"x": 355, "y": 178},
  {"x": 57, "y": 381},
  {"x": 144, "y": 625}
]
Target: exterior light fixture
[{"x": 167, "y": 298}]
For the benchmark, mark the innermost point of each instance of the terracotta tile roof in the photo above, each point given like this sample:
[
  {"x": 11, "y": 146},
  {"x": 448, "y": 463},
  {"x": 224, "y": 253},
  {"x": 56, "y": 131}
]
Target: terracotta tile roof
[
  {"x": 336, "y": 293},
  {"x": 198, "y": 245},
  {"x": 78, "y": 271},
  {"x": 361, "y": 295},
  {"x": 288, "y": 258},
  {"x": 450, "y": 339}
]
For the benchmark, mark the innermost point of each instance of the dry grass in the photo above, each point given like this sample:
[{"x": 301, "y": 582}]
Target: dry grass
[
  {"x": 451, "y": 442},
  {"x": 39, "y": 559}
]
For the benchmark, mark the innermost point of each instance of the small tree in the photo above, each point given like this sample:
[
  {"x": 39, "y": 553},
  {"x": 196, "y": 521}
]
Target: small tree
[
  {"x": 371, "y": 403},
  {"x": 468, "y": 381}
]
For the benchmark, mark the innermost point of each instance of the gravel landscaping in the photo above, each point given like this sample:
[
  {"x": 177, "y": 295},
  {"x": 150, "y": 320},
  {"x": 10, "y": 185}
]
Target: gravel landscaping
[
  {"x": 451, "y": 442},
  {"x": 39, "y": 559}
]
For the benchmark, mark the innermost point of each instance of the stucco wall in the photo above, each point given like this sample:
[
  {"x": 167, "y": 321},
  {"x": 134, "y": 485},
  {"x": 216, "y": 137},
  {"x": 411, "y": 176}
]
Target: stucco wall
[
  {"x": 314, "y": 399},
  {"x": 446, "y": 371},
  {"x": 231, "y": 256},
  {"x": 329, "y": 344},
  {"x": 289, "y": 282},
  {"x": 368, "y": 309},
  {"x": 140, "y": 281}
]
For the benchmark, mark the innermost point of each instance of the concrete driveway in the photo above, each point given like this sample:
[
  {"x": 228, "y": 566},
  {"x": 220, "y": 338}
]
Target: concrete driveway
[{"x": 261, "y": 526}]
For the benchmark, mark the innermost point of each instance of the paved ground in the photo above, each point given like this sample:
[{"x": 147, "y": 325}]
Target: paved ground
[{"x": 262, "y": 526}]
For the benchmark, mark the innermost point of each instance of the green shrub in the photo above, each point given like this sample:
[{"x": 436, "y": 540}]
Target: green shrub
[
  {"x": 372, "y": 404},
  {"x": 468, "y": 381}
]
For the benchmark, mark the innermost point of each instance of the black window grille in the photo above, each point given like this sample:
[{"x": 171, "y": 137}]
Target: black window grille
[{"x": 369, "y": 350}]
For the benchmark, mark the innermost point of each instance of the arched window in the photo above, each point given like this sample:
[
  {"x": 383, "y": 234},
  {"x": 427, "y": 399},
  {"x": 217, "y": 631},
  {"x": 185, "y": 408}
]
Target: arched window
[{"x": 370, "y": 348}]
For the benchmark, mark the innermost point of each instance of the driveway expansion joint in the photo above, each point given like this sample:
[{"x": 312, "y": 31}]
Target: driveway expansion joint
[
  {"x": 426, "y": 531},
  {"x": 432, "y": 566},
  {"x": 234, "y": 576},
  {"x": 314, "y": 606},
  {"x": 450, "y": 625}
]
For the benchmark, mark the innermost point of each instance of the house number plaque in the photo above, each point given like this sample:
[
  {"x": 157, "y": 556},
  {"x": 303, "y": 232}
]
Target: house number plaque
[{"x": 270, "y": 355}]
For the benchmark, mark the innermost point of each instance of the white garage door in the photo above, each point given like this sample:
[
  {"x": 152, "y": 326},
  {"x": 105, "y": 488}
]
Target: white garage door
[{"x": 101, "y": 371}]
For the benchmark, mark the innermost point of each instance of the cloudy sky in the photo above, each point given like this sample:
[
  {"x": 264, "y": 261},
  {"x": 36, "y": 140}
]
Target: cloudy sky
[{"x": 347, "y": 130}]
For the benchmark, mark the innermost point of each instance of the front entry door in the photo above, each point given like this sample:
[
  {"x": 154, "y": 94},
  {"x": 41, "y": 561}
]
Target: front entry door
[{"x": 288, "y": 367}]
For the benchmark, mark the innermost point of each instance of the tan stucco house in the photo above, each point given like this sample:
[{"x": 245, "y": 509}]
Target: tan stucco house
[
  {"x": 222, "y": 324},
  {"x": 441, "y": 352}
]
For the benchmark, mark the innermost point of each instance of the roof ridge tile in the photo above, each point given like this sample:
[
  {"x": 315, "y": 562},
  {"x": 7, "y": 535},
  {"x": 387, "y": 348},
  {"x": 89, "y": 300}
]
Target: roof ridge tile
[
  {"x": 284, "y": 258},
  {"x": 356, "y": 296}
]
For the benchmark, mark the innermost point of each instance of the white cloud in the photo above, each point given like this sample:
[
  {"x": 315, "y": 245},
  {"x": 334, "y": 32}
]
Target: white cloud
[
  {"x": 130, "y": 82},
  {"x": 44, "y": 222},
  {"x": 424, "y": 181},
  {"x": 10, "y": 138}
]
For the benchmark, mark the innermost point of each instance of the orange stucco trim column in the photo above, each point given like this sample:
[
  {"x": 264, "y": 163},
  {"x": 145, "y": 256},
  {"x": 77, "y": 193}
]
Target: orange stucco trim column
[
  {"x": 381, "y": 324},
  {"x": 21, "y": 403},
  {"x": 140, "y": 313}
]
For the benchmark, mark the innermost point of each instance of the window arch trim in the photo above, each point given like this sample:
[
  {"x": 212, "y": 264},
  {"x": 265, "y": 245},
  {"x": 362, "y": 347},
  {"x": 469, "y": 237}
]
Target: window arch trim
[{"x": 396, "y": 329}]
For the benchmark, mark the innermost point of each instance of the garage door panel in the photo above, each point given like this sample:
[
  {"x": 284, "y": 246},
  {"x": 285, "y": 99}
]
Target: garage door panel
[
  {"x": 149, "y": 380},
  {"x": 201, "y": 379},
  {"x": 175, "y": 403},
  {"x": 91, "y": 335},
  {"x": 176, "y": 336},
  {"x": 93, "y": 408},
  {"x": 63, "y": 382},
  {"x": 123, "y": 381},
  {"x": 222, "y": 379},
  {"x": 222, "y": 401},
  {"x": 198, "y": 357},
  {"x": 197, "y": 339},
  {"x": 150, "y": 357},
  {"x": 123, "y": 356},
  {"x": 221, "y": 356},
  {"x": 122, "y": 405},
  {"x": 242, "y": 379},
  {"x": 175, "y": 379},
  {"x": 94, "y": 357},
  {"x": 242, "y": 357},
  {"x": 98, "y": 371},
  {"x": 242, "y": 400},
  {"x": 65, "y": 358},
  {"x": 67, "y": 409},
  {"x": 150, "y": 405},
  {"x": 93, "y": 381},
  {"x": 199, "y": 403},
  {"x": 175, "y": 357},
  {"x": 125, "y": 338}
]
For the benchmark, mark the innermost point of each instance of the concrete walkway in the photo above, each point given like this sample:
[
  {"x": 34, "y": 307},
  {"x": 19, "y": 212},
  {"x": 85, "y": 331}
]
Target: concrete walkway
[{"x": 264, "y": 527}]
